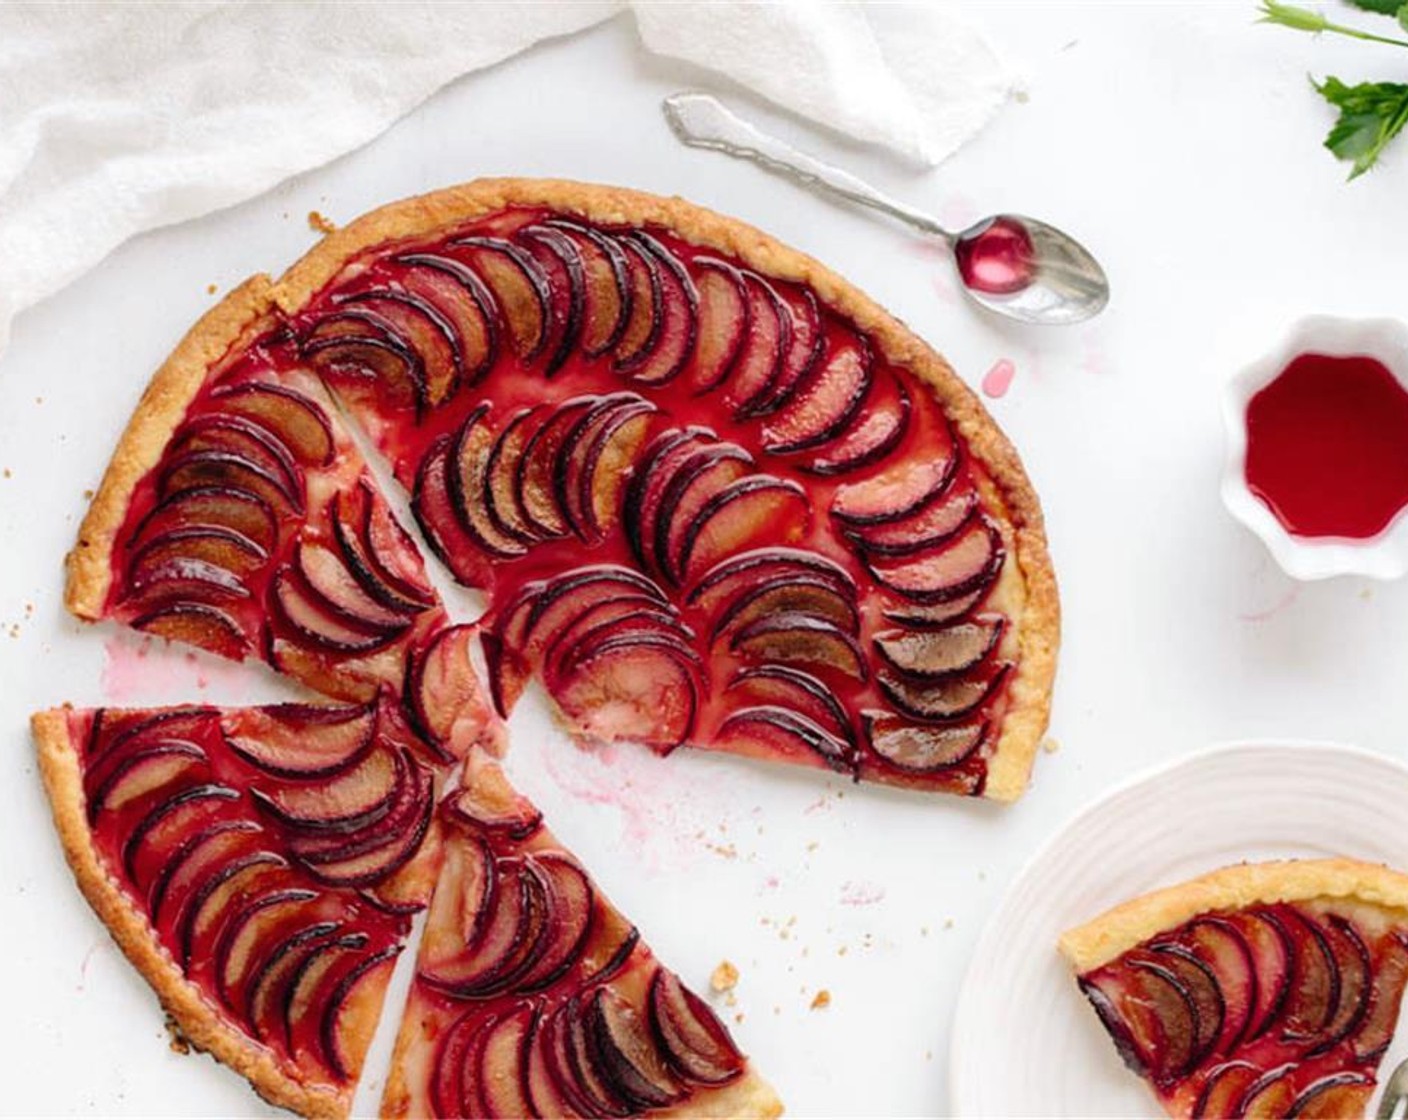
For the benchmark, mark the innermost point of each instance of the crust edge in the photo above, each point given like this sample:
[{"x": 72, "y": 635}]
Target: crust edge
[
  {"x": 1026, "y": 720},
  {"x": 163, "y": 404},
  {"x": 197, "y": 1020},
  {"x": 1119, "y": 929}
]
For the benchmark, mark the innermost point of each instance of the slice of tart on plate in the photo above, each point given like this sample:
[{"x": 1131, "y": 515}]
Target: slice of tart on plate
[
  {"x": 535, "y": 997},
  {"x": 1267, "y": 989}
]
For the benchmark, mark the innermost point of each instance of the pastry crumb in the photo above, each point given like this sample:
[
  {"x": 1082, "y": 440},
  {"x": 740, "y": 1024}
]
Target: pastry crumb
[
  {"x": 211, "y": 289},
  {"x": 1050, "y": 745},
  {"x": 725, "y": 977},
  {"x": 1367, "y": 594},
  {"x": 7, "y": 473},
  {"x": 948, "y": 923},
  {"x": 821, "y": 1000},
  {"x": 320, "y": 223},
  {"x": 88, "y": 495},
  {"x": 179, "y": 1042}
]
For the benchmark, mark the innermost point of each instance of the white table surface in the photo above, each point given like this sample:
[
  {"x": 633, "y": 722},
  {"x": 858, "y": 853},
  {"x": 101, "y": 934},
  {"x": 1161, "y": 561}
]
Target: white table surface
[{"x": 1181, "y": 142}]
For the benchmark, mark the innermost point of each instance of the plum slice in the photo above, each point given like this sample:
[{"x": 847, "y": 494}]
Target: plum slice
[
  {"x": 316, "y": 625},
  {"x": 694, "y": 1043},
  {"x": 646, "y": 304},
  {"x": 354, "y": 346},
  {"x": 1271, "y": 954},
  {"x": 952, "y": 699},
  {"x": 767, "y": 341},
  {"x": 696, "y": 479},
  {"x": 212, "y": 507},
  {"x": 674, "y": 304},
  {"x": 806, "y": 345},
  {"x": 505, "y": 938},
  {"x": 1315, "y": 979},
  {"x": 784, "y": 686},
  {"x": 798, "y": 638},
  {"x": 466, "y": 470},
  {"x": 369, "y": 541},
  {"x": 455, "y": 1051},
  {"x": 725, "y": 314},
  {"x": 1333, "y": 1095},
  {"x": 336, "y": 586},
  {"x": 1200, "y": 985},
  {"x": 201, "y": 858},
  {"x": 658, "y": 467},
  {"x": 926, "y": 529},
  {"x": 361, "y": 795},
  {"x": 535, "y": 477},
  {"x": 730, "y": 577},
  {"x": 590, "y": 447},
  {"x": 970, "y": 560},
  {"x": 499, "y": 1089},
  {"x": 560, "y": 261},
  {"x": 299, "y": 422},
  {"x": 920, "y": 749},
  {"x": 771, "y": 732},
  {"x": 1356, "y": 977},
  {"x": 811, "y": 595},
  {"x": 1376, "y": 1028},
  {"x": 824, "y": 405},
  {"x": 1222, "y": 1091},
  {"x": 741, "y": 515},
  {"x": 544, "y": 1073},
  {"x": 229, "y": 470},
  {"x": 462, "y": 300},
  {"x": 138, "y": 772},
  {"x": 244, "y": 439},
  {"x": 302, "y": 741},
  {"x": 1220, "y": 945},
  {"x": 435, "y": 512},
  {"x": 225, "y": 549},
  {"x": 627, "y": 1055},
  {"x": 351, "y": 1009},
  {"x": 571, "y": 902},
  {"x": 578, "y": 1073},
  {"x": 501, "y": 475},
  {"x": 897, "y": 492},
  {"x": 197, "y": 624},
  {"x": 640, "y": 687},
  {"x": 520, "y": 290},
  {"x": 934, "y": 655},
  {"x": 486, "y": 801},
  {"x": 606, "y": 287},
  {"x": 1270, "y": 1095},
  {"x": 183, "y": 579},
  {"x": 876, "y": 430},
  {"x": 422, "y": 329},
  {"x": 256, "y": 923},
  {"x": 442, "y": 689},
  {"x": 380, "y": 850}
]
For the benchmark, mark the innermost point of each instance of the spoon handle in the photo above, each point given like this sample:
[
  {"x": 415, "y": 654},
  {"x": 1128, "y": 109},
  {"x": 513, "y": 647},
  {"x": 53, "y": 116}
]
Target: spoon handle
[{"x": 701, "y": 121}]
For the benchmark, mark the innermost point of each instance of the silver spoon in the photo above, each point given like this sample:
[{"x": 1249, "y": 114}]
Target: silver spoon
[{"x": 1010, "y": 264}]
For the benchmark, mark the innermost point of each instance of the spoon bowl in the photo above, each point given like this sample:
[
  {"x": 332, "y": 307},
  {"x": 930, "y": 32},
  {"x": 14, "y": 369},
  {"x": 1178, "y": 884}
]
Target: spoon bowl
[
  {"x": 1057, "y": 282},
  {"x": 1011, "y": 265}
]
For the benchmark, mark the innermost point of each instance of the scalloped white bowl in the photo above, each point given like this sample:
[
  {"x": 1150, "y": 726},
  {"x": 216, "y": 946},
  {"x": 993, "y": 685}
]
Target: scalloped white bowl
[{"x": 1384, "y": 556}]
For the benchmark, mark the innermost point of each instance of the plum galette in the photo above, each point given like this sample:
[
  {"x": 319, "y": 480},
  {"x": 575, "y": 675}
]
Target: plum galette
[
  {"x": 1267, "y": 989},
  {"x": 712, "y": 497}
]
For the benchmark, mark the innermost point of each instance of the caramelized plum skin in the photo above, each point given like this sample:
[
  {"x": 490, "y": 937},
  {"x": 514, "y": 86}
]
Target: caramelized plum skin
[
  {"x": 277, "y": 854},
  {"x": 562, "y": 398},
  {"x": 534, "y": 997},
  {"x": 1278, "y": 1010}
]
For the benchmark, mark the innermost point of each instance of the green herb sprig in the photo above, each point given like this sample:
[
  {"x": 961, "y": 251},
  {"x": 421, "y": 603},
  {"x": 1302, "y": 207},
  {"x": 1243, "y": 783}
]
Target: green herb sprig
[{"x": 1371, "y": 113}]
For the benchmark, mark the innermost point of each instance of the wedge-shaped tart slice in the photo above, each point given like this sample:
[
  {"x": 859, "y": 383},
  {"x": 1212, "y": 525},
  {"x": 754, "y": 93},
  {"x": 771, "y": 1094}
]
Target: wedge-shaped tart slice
[
  {"x": 237, "y": 515},
  {"x": 259, "y": 866},
  {"x": 818, "y": 547},
  {"x": 1267, "y": 989},
  {"x": 535, "y": 997}
]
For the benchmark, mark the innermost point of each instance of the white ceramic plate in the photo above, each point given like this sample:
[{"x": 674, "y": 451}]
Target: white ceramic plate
[{"x": 1024, "y": 1042}]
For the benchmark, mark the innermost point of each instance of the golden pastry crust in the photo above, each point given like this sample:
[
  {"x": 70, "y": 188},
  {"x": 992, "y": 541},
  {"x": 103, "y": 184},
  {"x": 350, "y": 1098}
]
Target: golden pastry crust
[
  {"x": 157, "y": 415},
  {"x": 1039, "y": 625},
  {"x": 196, "y": 1019},
  {"x": 1131, "y": 923}
]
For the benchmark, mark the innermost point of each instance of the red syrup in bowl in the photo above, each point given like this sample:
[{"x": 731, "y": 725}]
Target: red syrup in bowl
[
  {"x": 999, "y": 260},
  {"x": 1327, "y": 446}
]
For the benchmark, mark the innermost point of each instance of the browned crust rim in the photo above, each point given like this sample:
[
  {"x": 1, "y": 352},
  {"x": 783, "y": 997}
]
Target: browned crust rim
[
  {"x": 153, "y": 423},
  {"x": 197, "y": 1020},
  {"x": 1039, "y": 627},
  {"x": 1246, "y": 884}
]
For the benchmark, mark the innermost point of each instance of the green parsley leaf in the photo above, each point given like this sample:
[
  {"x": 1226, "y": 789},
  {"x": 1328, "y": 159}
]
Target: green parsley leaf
[
  {"x": 1371, "y": 114},
  {"x": 1383, "y": 7}
]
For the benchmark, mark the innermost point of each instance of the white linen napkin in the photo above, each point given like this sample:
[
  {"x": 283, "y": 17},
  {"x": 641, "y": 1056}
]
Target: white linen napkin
[{"x": 119, "y": 118}]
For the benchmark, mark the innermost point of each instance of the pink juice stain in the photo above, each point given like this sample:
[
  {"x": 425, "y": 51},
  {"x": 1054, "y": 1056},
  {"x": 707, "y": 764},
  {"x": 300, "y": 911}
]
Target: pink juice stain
[
  {"x": 998, "y": 379},
  {"x": 999, "y": 259}
]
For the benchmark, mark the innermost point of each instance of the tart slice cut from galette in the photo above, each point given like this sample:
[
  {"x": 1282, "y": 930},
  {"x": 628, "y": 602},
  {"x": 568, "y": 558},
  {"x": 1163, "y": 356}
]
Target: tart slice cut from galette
[
  {"x": 259, "y": 866},
  {"x": 238, "y": 515},
  {"x": 535, "y": 997},
  {"x": 1268, "y": 989}
]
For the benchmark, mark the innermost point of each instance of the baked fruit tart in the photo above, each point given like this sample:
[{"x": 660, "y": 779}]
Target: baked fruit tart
[
  {"x": 710, "y": 495},
  {"x": 1268, "y": 989}
]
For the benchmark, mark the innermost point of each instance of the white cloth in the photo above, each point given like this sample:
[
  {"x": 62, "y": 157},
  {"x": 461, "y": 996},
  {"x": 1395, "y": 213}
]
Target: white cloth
[{"x": 118, "y": 118}]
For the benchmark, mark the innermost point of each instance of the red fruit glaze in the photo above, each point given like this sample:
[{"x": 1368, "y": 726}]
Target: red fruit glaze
[
  {"x": 1327, "y": 446},
  {"x": 998, "y": 260},
  {"x": 1289, "y": 1000}
]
